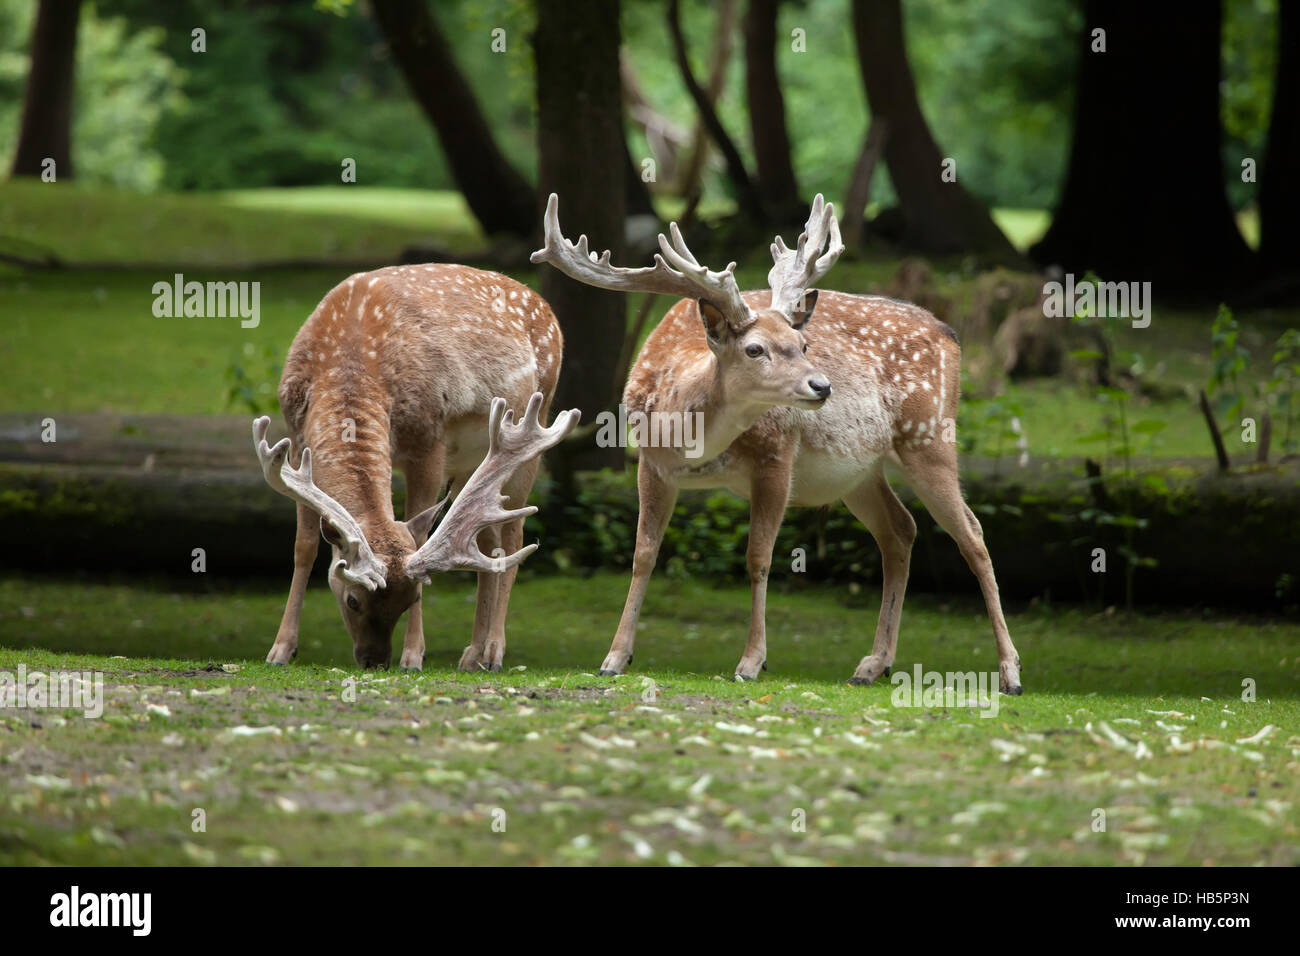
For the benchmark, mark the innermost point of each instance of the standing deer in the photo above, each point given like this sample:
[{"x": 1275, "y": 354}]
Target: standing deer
[
  {"x": 774, "y": 430},
  {"x": 405, "y": 366}
]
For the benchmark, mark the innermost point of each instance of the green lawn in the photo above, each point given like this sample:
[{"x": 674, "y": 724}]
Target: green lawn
[
  {"x": 1141, "y": 717},
  {"x": 81, "y": 224}
]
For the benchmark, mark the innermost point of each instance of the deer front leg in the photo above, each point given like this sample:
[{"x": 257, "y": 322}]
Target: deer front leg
[
  {"x": 423, "y": 481},
  {"x": 484, "y": 653},
  {"x": 305, "y": 546},
  {"x": 769, "y": 491},
  {"x": 511, "y": 540},
  {"x": 657, "y": 499}
]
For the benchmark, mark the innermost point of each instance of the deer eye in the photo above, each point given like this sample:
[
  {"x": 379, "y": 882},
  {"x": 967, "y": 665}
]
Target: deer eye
[
  {"x": 353, "y": 603},
  {"x": 753, "y": 350}
]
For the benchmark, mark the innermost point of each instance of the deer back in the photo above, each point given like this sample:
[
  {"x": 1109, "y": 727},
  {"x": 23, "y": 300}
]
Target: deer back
[{"x": 394, "y": 360}]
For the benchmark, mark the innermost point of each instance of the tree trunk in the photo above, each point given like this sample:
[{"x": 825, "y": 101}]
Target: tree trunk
[
  {"x": 751, "y": 203},
  {"x": 776, "y": 181},
  {"x": 46, "y": 131},
  {"x": 1144, "y": 196},
  {"x": 858, "y": 193},
  {"x": 499, "y": 197},
  {"x": 938, "y": 216},
  {"x": 688, "y": 183},
  {"x": 1279, "y": 188},
  {"x": 583, "y": 158}
]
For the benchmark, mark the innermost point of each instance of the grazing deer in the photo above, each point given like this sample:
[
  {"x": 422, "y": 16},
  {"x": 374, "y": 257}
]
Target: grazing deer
[
  {"x": 793, "y": 414},
  {"x": 404, "y": 366}
]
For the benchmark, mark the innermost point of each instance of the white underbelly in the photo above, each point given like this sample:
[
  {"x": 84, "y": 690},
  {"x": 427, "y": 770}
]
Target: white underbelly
[
  {"x": 818, "y": 479},
  {"x": 821, "y": 479}
]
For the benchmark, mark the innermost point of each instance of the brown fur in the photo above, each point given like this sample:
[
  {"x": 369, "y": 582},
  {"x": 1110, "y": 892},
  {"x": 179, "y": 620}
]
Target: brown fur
[
  {"x": 412, "y": 356},
  {"x": 895, "y": 373}
]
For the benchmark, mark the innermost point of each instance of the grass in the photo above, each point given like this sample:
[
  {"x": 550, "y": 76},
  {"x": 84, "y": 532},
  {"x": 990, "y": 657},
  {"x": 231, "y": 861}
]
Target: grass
[
  {"x": 1141, "y": 717},
  {"x": 98, "y": 225}
]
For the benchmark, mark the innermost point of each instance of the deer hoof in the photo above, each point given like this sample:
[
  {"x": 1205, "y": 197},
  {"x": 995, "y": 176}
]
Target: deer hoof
[
  {"x": 1009, "y": 678},
  {"x": 870, "y": 669},
  {"x": 614, "y": 665}
]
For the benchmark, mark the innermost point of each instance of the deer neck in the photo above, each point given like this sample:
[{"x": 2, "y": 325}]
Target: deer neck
[
  {"x": 727, "y": 412},
  {"x": 352, "y": 463}
]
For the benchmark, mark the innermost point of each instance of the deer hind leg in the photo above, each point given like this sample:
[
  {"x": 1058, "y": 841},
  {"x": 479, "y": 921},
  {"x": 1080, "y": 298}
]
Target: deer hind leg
[
  {"x": 932, "y": 472},
  {"x": 305, "y": 546},
  {"x": 657, "y": 498},
  {"x": 878, "y": 508},
  {"x": 423, "y": 482},
  {"x": 769, "y": 493}
]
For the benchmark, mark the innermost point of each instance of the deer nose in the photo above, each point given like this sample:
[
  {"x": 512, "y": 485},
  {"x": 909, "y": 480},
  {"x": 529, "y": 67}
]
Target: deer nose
[
  {"x": 820, "y": 387},
  {"x": 372, "y": 660}
]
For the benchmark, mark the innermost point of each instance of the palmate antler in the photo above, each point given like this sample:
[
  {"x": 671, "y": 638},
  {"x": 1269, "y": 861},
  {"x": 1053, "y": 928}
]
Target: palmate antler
[
  {"x": 454, "y": 544},
  {"x": 676, "y": 271},
  {"x": 795, "y": 270},
  {"x": 358, "y": 563}
]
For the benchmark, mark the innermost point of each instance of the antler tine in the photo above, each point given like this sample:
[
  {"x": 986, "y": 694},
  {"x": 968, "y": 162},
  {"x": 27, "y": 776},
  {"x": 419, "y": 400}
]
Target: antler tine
[
  {"x": 454, "y": 544},
  {"x": 794, "y": 271},
  {"x": 676, "y": 270},
  {"x": 358, "y": 563}
]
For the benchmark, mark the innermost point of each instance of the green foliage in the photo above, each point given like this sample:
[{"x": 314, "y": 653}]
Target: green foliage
[
  {"x": 990, "y": 425},
  {"x": 16, "y": 18},
  {"x": 996, "y": 82},
  {"x": 252, "y": 380},
  {"x": 126, "y": 85},
  {"x": 1228, "y": 361},
  {"x": 1284, "y": 386},
  {"x": 284, "y": 92},
  {"x": 1246, "y": 90},
  {"x": 1117, "y": 507}
]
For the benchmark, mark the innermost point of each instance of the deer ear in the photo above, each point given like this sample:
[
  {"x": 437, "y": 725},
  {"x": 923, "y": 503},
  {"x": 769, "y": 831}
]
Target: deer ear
[
  {"x": 331, "y": 534},
  {"x": 422, "y": 524},
  {"x": 804, "y": 310},
  {"x": 715, "y": 323}
]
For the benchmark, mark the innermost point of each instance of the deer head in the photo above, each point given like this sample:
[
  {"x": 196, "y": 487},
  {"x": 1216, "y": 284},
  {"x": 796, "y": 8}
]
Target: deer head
[
  {"x": 761, "y": 352},
  {"x": 374, "y": 586}
]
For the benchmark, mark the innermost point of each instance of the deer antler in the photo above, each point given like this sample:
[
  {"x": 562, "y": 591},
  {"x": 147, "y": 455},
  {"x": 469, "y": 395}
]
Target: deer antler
[
  {"x": 795, "y": 270},
  {"x": 454, "y": 545},
  {"x": 676, "y": 271},
  {"x": 358, "y": 563}
]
